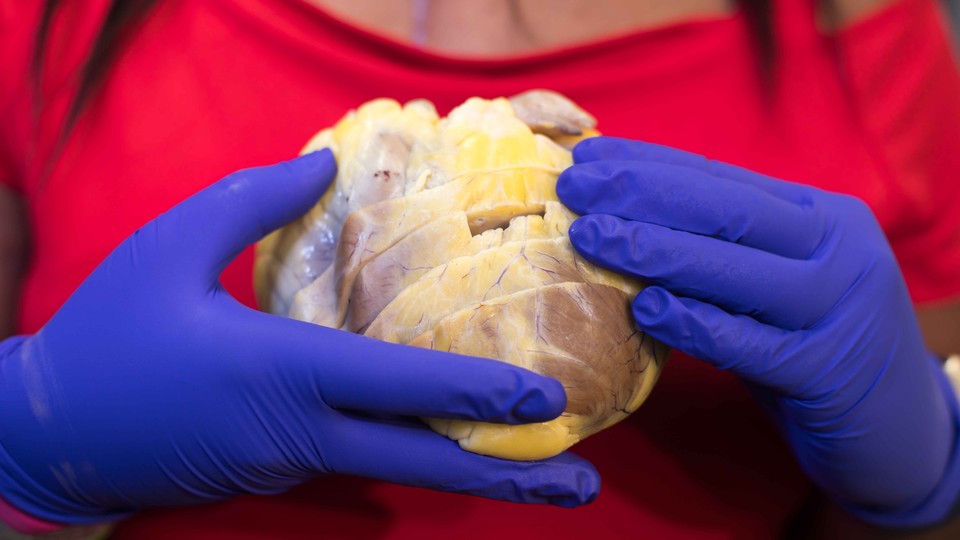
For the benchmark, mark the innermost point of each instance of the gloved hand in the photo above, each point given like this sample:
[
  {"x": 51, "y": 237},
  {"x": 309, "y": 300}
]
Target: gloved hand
[
  {"x": 152, "y": 386},
  {"x": 796, "y": 291}
]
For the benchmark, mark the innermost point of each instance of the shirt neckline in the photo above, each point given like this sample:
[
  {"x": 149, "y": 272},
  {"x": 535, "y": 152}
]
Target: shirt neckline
[{"x": 373, "y": 41}]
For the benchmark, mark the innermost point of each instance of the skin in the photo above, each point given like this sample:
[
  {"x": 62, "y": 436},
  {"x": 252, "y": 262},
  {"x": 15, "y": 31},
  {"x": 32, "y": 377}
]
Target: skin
[
  {"x": 454, "y": 28},
  {"x": 511, "y": 27},
  {"x": 520, "y": 26},
  {"x": 13, "y": 245}
]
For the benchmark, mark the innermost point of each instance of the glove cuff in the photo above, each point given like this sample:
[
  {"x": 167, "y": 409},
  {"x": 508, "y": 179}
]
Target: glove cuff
[
  {"x": 37, "y": 523},
  {"x": 24, "y": 523},
  {"x": 29, "y": 508},
  {"x": 9, "y": 345},
  {"x": 943, "y": 500},
  {"x": 9, "y": 514}
]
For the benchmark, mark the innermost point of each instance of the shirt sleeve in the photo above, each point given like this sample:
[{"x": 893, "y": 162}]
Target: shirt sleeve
[{"x": 905, "y": 88}]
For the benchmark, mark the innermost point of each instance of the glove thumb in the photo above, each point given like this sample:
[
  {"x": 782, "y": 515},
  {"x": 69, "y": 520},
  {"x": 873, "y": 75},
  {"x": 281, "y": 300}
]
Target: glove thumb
[{"x": 208, "y": 230}]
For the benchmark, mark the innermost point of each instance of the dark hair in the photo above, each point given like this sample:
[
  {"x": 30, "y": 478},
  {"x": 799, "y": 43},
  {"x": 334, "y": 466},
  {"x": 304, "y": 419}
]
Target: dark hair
[
  {"x": 759, "y": 14},
  {"x": 124, "y": 15}
]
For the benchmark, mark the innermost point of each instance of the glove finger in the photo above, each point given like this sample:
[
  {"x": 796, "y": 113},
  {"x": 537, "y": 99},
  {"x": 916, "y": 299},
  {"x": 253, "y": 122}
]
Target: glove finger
[
  {"x": 773, "y": 289},
  {"x": 360, "y": 373},
  {"x": 410, "y": 454},
  {"x": 691, "y": 200},
  {"x": 210, "y": 228},
  {"x": 737, "y": 343},
  {"x": 611, "y": 148}
]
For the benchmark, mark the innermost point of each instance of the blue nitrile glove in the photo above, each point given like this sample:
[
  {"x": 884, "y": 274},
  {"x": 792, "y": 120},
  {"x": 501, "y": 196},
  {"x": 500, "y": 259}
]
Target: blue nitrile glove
[
  {"x": 153, "y": 386},
  {"x": 796, "y": 291}
]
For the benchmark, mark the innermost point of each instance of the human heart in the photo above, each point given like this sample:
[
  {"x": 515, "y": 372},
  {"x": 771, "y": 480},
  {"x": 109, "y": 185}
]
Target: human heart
[{"x": 447, "y": 233}]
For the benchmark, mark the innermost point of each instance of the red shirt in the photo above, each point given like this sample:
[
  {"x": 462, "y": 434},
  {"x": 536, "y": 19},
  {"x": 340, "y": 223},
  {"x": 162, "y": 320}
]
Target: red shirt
[{"x": 205, "y": 88}]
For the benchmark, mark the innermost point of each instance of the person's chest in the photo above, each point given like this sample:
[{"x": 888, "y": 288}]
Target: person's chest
[{"x": 205, "y": 90}]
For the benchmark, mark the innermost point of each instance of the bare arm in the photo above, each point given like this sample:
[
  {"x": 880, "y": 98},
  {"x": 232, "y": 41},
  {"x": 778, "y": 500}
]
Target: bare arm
[
  {"x": 13, "y": 233},
  {"x": 941, "y": 327}
]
